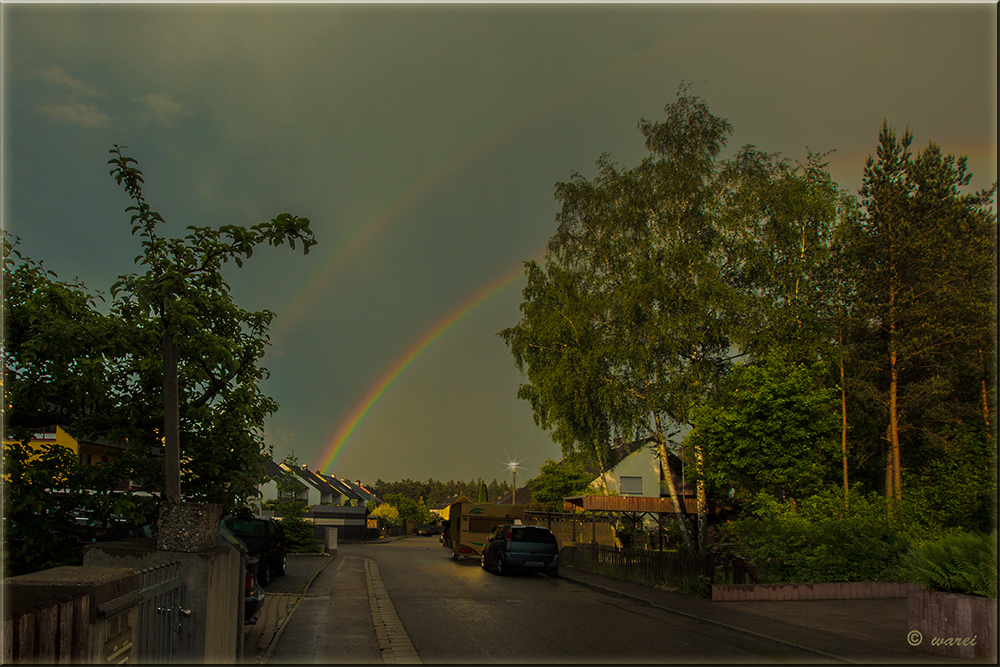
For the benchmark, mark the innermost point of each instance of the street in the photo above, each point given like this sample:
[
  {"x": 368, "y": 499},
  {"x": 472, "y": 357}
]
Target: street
[
  {"x": 454, "y": 612},
  {"x": 435, "y": 610}
]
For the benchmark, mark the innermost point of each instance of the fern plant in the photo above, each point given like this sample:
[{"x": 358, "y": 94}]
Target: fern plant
[{"x": 964, "y": 563}]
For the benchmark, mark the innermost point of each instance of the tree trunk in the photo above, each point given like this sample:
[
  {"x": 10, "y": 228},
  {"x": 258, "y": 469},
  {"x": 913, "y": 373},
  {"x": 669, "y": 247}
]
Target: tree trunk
[
  {"x": 702, "y": 502},
  {"x": 843, "y": 427},
  {"x": 669, "y": 476},
  {"x": 171, "y": 421},
  {"x": 986, "y": 395},
  {"x": 897, "y": 479},
  {"x": 889, "y": 476}
]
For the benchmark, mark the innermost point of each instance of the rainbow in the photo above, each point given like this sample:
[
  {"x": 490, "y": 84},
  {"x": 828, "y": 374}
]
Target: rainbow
[
  {"x": 292, "y": 314},
  {"x": 363, "y": 406},
  {"x": 366, "y": 231}
]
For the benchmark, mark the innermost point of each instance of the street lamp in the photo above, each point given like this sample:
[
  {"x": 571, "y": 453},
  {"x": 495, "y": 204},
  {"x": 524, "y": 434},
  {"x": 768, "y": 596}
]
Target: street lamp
[{"x": 512, "y": 466}]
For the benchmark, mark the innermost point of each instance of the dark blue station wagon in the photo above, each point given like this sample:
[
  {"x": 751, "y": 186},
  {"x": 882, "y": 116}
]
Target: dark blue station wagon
[{"x": 512, "y": 548}]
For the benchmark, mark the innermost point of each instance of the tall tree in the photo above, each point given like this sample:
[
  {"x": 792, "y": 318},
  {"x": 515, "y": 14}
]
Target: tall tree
[
  {"x": 774, "y": 430},
  {"x": 928, "y": 252},
  {"x": 98, "y": 371},
  {"x": 625, "y": 329},
  {"x": 183, "y": 299}
]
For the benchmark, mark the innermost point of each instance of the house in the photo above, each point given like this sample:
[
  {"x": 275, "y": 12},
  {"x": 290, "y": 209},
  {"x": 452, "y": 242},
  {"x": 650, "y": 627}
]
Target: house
[
  {"x": 317, "y": 489},
  {"x": 88, "y": 451},
  {"x": 640, "y": 473},
  {"x": 268, "y": 491},
  {"x": 441, "y": 509},
  {"x": 348, "y": 495}
]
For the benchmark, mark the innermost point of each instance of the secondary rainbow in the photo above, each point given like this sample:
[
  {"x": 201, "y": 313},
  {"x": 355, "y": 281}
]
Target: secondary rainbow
[
  {"x": 361, "y": 408},
  {"x": 295, "y": 312}
]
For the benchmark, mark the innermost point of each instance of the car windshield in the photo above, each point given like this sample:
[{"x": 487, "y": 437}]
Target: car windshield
[
  {"x": 532, "y": 534},
  {"x": 246, "y": 528}
]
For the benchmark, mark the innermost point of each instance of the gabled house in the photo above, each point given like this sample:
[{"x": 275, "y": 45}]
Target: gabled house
[
  {"x": 441, "y": 509},
  {"x": 268, "y": 491},
  {"x": 363, "y": 493},
  {"x": 347, "y": 495},
  {"x": 642, "y": 474},
  {"x": 88, "y": 451},
  {"x": 320, "y": 491}
]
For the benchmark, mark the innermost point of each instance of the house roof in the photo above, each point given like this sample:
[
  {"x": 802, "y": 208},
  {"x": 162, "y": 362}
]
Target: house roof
[
  {"x": 523, "y": 497},
  {"x": 342, "y": 488},
  {"x": 364, "y": 493},
  {"x": 272, "y": 469},
  {"x": 319, "y": 483},
  {"x": 449, "y": 500}
]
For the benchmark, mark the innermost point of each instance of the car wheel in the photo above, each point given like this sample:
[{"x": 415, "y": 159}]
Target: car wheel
[
  {"x": 281, "y": 567},
  {"x": 502, "y": 568},
  {"x": 454, "y": 556}
]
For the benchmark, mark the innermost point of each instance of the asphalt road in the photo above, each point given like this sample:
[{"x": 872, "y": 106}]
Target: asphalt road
[{"x": 454, "y": 612}]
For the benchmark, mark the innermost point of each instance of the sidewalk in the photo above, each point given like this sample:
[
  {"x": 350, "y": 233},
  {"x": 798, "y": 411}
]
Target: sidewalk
[
  {"x": 284, "y": 595},
  {"x": 280, "y": 599},
  {"x": 841, "y": 630}
]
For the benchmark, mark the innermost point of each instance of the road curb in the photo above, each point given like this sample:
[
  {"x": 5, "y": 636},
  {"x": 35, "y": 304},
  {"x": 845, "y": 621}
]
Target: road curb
[
  {"x": 298, "y": 601},
  {"x": 650, "y": 603},
  {"x": 393, "y": 640}
]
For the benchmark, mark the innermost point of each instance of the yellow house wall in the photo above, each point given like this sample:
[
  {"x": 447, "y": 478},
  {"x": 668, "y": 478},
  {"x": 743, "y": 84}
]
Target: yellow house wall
[{"x": 62, "y": 438}]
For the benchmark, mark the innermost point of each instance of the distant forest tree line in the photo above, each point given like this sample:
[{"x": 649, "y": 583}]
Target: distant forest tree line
[{"x": 433, "y": 491}]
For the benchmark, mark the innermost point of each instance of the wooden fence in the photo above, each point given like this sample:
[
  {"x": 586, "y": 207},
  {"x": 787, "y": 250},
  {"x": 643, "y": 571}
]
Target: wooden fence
[
  {"x": 655, "y": 568},
  {"x": 659, "y": 568},
  {"x": 55, "y": 633}
]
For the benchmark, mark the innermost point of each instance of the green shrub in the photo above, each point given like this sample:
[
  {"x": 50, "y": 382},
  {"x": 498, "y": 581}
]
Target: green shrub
[
  {"x": 300, "y": 535},
  {"x": 821, "y": 540},
  {"x": 965, "y": 563}
]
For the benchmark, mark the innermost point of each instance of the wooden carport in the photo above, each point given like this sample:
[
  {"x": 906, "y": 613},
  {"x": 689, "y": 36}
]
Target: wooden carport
[{"x": 635, "y": 507}]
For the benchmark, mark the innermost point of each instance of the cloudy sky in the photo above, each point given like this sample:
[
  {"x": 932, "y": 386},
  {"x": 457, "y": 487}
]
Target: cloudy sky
[{"x": 424, "y": 141}]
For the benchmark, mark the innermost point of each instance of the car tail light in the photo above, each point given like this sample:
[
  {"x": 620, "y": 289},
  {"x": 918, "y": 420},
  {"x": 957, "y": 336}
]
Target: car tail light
[
  {"x": 510, "y": 534},
  {"x": 249, "y": 580}
]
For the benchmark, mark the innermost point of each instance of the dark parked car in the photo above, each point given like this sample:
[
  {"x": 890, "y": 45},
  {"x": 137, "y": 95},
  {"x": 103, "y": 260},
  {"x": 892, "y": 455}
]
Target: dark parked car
[
  {"x": 512, "y": 548},
  {"x": 428, "y": 529},
  {"x": 253, "y": 594},
  {"x": 264, "y": 539}
]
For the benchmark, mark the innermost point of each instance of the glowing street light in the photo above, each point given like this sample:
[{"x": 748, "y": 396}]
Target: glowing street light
[{"x": 512, "y": 466}]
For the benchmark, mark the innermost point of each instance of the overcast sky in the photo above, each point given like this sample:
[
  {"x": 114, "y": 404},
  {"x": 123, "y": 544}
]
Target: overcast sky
[{"x": 424, "y": 143}]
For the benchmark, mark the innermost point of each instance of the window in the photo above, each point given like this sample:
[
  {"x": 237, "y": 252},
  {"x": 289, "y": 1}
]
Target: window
[
  {"x": 484, "y": 524},
  {"x": 533, "y": 534},
  {"x": 631, "y": 485}
]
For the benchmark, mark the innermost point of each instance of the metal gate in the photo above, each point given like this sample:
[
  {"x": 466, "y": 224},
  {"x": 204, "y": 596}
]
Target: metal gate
[{"x": 158, "y": 627}]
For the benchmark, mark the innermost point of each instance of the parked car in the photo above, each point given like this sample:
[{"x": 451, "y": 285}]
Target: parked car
[
  {"x": 428, "y": 529},
  {"x": 253, "y": 594},
  {"x": 265, "y": 539},
  {"x": 510, "y": 548}
]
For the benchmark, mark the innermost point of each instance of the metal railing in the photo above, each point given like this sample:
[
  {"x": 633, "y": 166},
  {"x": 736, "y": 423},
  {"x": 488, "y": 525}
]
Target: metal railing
[{"x": 158, "y": 625}]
